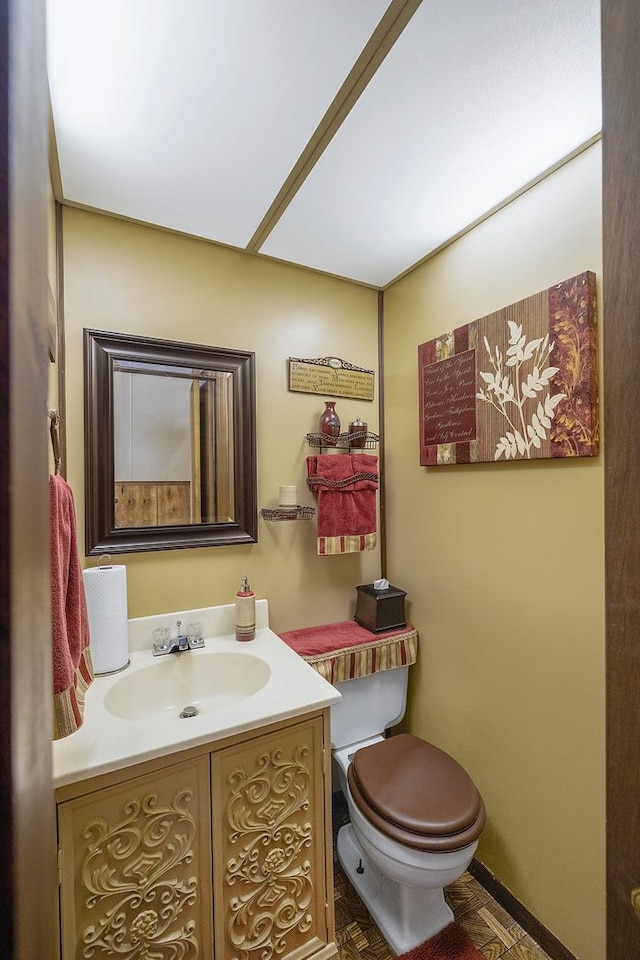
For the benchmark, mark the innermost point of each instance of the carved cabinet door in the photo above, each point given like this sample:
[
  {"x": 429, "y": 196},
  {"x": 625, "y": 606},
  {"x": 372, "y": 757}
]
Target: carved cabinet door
[
  {"x": 136, "y": 873},
  {"x": 272, "y": 867}
]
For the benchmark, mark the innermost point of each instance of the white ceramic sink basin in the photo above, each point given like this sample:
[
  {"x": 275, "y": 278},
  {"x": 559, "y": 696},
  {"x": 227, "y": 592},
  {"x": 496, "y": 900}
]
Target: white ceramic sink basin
[
  {"x": 206, "y": 680},
  {"x": 134, "y": 716}
]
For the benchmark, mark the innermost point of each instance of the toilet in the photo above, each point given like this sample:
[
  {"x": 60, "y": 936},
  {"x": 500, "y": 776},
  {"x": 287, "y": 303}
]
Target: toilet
[{"x": 415, "y": 814}]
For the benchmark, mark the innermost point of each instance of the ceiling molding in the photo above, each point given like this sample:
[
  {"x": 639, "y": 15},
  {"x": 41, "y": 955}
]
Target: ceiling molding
[
  {"x": 54, "y": 158},
  {"x": 499, "y": 206},
  {"x": 395, "y": 19}
]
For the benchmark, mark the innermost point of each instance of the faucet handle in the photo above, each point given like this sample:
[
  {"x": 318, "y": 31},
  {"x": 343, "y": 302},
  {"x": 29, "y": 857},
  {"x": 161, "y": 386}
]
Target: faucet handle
[
  {"x": 195, "y": 630},
  {"x": 161, "y": 640}
]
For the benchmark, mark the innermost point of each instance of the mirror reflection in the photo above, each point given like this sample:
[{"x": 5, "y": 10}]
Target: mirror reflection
[
  {"x": 173, "y": 455},
  {"x": 170, "y": 444}
]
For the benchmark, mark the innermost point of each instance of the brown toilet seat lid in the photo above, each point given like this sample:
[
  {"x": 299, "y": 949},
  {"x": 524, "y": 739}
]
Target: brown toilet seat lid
[{"x": 416, "y": 794}]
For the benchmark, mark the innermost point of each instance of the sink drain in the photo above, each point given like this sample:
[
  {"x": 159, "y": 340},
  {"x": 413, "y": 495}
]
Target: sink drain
[{"x": 189, "y": 711}]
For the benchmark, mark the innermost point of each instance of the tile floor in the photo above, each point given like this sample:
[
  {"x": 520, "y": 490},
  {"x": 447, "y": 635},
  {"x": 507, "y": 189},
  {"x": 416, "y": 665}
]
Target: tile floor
[{"x": 492, "y": 930}]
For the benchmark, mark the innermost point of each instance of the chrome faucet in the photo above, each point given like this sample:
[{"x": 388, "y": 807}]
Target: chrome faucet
[{"x": 164, "y": 643}]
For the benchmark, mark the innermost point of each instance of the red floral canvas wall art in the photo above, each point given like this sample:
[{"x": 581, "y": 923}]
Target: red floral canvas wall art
[{"x": 518, "y": 384}]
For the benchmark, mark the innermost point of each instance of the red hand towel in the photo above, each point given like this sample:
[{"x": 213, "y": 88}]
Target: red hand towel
[
  {"x": 345, "y": 485},
  {"x": 72, "y": 669}
]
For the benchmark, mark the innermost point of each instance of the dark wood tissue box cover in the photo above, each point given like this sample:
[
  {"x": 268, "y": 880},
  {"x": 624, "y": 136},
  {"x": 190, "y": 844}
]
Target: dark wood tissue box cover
[{"x": 379, "y": 610}]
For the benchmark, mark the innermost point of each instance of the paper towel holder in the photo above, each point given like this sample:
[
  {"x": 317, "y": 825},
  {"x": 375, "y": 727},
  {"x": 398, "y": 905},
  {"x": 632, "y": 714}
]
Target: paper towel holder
[
  {"x": 109, "y": 673},
  {"x": 107, "y": 610}
]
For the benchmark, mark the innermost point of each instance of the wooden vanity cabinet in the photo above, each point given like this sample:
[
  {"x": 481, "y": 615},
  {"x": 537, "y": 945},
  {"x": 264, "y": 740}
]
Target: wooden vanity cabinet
[
  {"x": 230, "y": 846},
  {"x": 136, "y": 867},
  {"x": 272, "y": 861}
]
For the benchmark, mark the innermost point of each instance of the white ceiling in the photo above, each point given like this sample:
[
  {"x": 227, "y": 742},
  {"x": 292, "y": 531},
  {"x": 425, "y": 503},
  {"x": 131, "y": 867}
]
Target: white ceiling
[{"x": 354, "y": 137}]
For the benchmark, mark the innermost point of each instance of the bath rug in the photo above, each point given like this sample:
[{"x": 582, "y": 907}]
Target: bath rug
[{"x": 452, "y": 943}]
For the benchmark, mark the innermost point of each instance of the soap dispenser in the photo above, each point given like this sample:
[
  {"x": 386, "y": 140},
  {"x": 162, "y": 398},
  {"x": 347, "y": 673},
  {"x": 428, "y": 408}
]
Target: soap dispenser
[{"x": 245, "y": 612}]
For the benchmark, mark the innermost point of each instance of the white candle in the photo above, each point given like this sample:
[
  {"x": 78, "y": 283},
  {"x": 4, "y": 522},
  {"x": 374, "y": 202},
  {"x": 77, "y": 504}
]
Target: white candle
[{"x": 288, "y": 495}]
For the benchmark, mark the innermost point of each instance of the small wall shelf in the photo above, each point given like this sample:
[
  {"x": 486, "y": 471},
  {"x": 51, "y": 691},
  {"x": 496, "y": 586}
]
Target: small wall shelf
[
  {"x": 344, "y": 441},
  {"x": 288, "y": 513}
]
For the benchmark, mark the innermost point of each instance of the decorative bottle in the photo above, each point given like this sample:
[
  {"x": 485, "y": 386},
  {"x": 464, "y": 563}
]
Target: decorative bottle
[
  {"x": 245, "y": 612},
  {"x": 330, "y": 424}
]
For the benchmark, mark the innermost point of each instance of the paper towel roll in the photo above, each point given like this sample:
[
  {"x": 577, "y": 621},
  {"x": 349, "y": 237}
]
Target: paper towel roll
[{"x": 106, "y": 592}]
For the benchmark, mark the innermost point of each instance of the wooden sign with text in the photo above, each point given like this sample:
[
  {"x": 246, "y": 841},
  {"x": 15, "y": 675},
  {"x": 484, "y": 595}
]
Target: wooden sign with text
[
  {"x": 331, "y": 377},
  {"x": 518, "y": 384}
]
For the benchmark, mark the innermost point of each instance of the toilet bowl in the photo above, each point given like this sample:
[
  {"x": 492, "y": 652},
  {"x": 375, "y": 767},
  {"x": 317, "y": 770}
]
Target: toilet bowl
[{"x": 415, "y": 819}]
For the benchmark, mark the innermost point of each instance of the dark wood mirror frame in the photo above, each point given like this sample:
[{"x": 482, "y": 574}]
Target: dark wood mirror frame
[{"x": 101, "y": 350}]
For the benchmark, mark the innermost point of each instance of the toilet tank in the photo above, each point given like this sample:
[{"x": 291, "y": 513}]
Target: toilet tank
[{"x": 369, "y": 705}]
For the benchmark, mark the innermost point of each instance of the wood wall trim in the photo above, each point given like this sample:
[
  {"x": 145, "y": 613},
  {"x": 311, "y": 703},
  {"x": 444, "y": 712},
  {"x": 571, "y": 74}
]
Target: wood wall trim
[
  {"x": 536, "y": 930},
  {"x": 621, "y": 327},
  {"x": 28, "y": 926},
  {"x": 381, "y": 432},
  {"x": 61, "y": 364}
]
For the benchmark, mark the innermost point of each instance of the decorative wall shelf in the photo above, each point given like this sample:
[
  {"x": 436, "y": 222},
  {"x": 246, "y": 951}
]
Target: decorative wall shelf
[
  {"x": 288, "y": 513},
  {"x": 344, "y": 441}
]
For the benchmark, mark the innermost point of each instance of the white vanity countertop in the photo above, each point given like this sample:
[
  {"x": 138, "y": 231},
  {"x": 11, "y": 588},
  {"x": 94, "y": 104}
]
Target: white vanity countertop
[{"x": 105, "y": 742}]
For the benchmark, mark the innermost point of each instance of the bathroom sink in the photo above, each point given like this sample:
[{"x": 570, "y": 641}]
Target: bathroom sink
[{"x": 206, "y": 680}]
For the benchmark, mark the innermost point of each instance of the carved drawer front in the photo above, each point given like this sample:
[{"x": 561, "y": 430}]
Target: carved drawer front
[
  {"x": 136, "y": 873},
  {"x": 270, "y": 881}
]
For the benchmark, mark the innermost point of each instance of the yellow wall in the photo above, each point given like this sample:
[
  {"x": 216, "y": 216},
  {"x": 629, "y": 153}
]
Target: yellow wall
[
  {"x": 504, "y": 568},
  {"x": 129, "y": 278}
]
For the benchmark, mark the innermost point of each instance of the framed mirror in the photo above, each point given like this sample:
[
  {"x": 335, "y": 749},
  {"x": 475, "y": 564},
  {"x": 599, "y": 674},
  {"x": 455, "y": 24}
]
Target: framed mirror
[{"x": 170, "y": 444}]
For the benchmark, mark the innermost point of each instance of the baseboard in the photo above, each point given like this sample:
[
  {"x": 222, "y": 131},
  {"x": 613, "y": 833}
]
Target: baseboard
[{"x": 536, "y": 930}]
